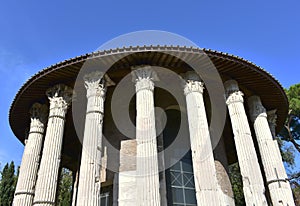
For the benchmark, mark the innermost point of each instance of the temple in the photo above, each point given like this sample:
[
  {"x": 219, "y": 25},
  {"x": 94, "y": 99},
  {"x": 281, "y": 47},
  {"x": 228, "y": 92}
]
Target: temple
[{"x": 73, "y": 115}]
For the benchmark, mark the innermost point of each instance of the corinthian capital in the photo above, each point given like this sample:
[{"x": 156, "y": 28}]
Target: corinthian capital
[
  {"x": 60, "y": 96},
  {"x": 235, "y": 97},
  {"x": 143, "y": 72},
  {"x": 233, "y": 93},
  {"x": 192, "y": 83},
  {"x": 144, "y": 76},
  {"x": 39, "y": 112},
  {"x": 256, "y": 108},
  {"x": 95, "y": 84}
]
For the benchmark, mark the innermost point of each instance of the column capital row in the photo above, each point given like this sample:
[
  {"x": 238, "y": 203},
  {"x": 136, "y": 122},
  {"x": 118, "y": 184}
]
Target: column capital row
[{"x": 60, "y": 96}]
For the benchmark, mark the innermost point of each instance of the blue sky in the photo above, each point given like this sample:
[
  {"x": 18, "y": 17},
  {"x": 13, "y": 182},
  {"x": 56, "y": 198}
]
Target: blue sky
[{"x": 35, "y": 35}]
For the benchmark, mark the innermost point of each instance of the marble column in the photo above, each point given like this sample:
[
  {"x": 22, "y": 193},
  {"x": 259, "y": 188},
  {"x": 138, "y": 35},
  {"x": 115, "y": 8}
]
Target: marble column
[
  {"x": 147, "y": 159},
  {"x": 253, "y": 185},
  {"x": 75, "y": 187},
  {"x": 31, "y": 157},
  {"x": 89, "y": 175},
  {"x": 60, "y": 97},
  {"x": 103, "y": 167},
  {"x": 279, "y": 187},
  {"x": 206, "y": 183}
]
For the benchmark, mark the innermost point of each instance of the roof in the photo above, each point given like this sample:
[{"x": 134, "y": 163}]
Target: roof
[{"x": 252, "y": 78}]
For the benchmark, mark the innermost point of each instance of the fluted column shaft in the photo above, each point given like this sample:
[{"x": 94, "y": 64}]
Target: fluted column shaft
[
  {"x": 31, "y": 157},
  {"x": 75, "y": 188},
  {"x": 253, "y": 185},
  {"x": 279, "y": 187},
  {"x": 60, "y": 97},
  {"x": 147, "y": 160},
  {"x": 205, "y": 175},
  {"x": 89, "y": 175}
]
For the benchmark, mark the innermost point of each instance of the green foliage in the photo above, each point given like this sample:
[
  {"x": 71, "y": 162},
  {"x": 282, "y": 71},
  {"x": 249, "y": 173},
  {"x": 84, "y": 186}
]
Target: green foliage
[
  {"x": 293, "y": 94},
  {"x": 296, "y": 191},
  {"x": 291, "y": 133},
  {"x": 7, "y": 184},
  {"x": 291, "y": 130},
  {"x": 237, "y": 184},
  {"x": 287, "y": 153},
  {"x": 65, "y": 188}
]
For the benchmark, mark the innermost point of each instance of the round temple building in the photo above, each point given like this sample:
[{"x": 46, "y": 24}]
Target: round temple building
[{"x": 151, "y": 126}]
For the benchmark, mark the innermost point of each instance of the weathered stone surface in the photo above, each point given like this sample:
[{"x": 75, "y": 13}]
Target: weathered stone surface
[
  {"x": 226, "y": 194},
  {"x": 253, "y": 185},
  {"x": 279, "y": 187},
  {"x": 31, "y": 157},
  {"x": 147, "y": 160},
  {"x": 60, "y": 97},
  {"x": 89, "y": 173},
  {"x": 125, "y": 183},
  {"x": 224, "y": 183},
  {"x": 206, "y": 184},
  {"x": 139, "y": 181},
  {"x": 128, "y": 155}
]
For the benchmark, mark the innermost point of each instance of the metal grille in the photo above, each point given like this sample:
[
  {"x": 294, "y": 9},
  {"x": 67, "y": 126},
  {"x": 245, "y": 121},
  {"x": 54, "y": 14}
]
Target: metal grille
[
  {"x": 104, "y": 199},
  {"x": 181, "y": 185}
]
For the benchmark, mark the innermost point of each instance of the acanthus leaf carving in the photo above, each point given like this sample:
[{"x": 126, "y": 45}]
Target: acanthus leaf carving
[{"x": 143, "y": 76}]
